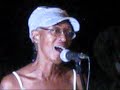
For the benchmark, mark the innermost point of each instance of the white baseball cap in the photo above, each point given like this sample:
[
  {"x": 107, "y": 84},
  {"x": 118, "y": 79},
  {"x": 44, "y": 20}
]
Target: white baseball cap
[{"x": 44, "y": 16}]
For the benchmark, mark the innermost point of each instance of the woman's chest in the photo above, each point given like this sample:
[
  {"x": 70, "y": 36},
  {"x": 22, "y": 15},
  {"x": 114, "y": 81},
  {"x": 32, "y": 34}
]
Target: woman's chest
[{"x": 58, "y": 84}]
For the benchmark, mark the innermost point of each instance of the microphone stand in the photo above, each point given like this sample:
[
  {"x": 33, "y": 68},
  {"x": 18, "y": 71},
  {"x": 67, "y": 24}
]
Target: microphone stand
[{"x": 78, "y": 70}]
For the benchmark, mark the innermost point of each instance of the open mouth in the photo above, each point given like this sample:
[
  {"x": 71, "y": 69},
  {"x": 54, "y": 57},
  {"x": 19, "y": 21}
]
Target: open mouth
[{"x": 59, "y": 48}]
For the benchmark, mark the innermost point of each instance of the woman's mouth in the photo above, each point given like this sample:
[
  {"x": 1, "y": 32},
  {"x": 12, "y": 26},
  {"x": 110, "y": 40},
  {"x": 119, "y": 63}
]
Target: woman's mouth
[{"x": 59, "y": 48}]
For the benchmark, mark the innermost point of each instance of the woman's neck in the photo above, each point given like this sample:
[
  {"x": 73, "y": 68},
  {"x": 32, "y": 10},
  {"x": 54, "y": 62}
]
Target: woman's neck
[{"x": 46, "y": 69}]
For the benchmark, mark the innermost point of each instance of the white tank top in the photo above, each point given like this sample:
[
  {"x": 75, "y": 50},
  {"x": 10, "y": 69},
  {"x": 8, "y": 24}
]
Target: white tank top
[{"x": 21, "y": 84}]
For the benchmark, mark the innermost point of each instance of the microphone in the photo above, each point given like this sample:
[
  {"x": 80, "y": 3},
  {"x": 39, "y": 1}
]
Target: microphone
[{"x": 67, "y": 55}]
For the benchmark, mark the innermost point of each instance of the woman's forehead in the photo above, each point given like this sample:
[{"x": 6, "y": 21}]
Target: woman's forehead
[{"x": 64, "y": 23}]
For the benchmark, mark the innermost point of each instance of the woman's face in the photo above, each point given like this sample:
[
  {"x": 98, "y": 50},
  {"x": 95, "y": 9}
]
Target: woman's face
[{"x": 51, "y": 41}]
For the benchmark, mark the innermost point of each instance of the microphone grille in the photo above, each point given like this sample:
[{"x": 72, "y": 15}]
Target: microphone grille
[{"x": 63, "y": 55}]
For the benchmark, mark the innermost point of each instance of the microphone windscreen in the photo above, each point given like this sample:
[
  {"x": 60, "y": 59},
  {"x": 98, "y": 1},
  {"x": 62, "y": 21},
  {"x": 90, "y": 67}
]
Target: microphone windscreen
[{"x": 63, "y": 55}]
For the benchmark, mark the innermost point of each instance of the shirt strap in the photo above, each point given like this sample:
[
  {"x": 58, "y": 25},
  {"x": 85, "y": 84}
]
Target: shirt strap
[
  {"x": 18, "y": 79},
  {"x": 74, "y": 79}
]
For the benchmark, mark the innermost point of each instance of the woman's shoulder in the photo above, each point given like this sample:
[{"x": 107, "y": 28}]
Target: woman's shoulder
[{"x": 7, "y": 81}]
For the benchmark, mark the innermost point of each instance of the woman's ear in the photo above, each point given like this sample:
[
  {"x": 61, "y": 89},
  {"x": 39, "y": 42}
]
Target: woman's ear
[{"x": 35, "y": 36}]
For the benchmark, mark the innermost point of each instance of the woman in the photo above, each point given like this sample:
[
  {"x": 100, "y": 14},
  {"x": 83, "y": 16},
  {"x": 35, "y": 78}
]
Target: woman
[{"x": 51, "y": 30}]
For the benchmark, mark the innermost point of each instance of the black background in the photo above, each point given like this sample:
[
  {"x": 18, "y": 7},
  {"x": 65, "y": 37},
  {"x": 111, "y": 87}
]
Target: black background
[
  {"x": 15, "y": 46},
  {"x": 94, "y": 17}
]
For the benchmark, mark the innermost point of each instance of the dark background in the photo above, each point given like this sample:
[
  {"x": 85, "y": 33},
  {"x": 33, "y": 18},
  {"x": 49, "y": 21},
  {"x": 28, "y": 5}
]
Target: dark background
[{"x": 16, "y": 48}]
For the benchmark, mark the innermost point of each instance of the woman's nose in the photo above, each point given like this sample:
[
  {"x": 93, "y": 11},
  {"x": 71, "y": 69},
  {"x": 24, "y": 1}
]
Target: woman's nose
[{"x": 63, "y": 37}]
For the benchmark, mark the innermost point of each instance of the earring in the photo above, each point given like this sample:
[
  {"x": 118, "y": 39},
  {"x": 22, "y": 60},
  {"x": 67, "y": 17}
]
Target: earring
[{"x": 35, "y": 39}]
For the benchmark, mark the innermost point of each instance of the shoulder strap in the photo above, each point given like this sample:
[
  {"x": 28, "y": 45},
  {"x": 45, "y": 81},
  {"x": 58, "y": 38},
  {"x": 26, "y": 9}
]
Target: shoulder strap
[
  {"x": 18, "y": 79},
  {"x": 74, "y": 79}
]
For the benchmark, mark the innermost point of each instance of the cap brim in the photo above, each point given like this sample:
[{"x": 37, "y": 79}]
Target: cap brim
[{"x": 75, "y": 24}]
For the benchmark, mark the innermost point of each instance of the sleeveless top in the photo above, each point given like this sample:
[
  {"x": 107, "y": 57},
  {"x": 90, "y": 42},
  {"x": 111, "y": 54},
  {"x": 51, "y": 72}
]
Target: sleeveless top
[{"x": 22, "y": 88}]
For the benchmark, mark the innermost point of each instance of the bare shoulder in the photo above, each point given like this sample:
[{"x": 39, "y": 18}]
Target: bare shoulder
[
  {"x": 7, "y": 82},
  {"x": 78, "y": 79},
  {"x": 10, "y": 82},
  {"x": 79, "y": 82}
]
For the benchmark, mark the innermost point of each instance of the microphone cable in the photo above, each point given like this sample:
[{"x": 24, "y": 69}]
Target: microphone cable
[{"x": 88, "y": 75}]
